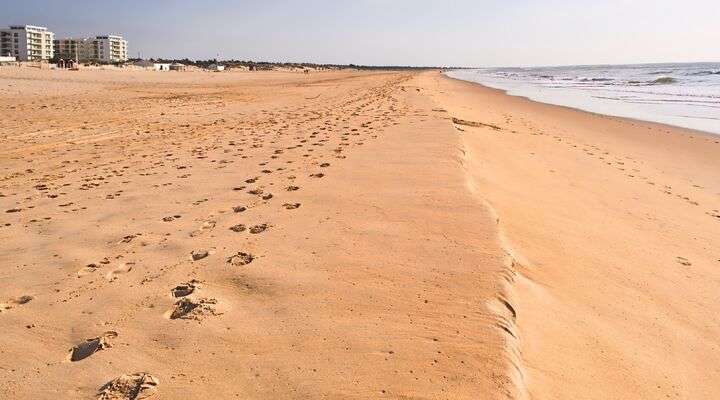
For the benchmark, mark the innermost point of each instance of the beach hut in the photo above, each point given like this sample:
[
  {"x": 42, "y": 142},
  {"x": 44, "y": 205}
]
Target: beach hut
[
  {"x": 151, "y": 65},
  {"x": 178, "y": 67},
  {"x": 161, "y": 67},
  {"x": 216, "y": 67}
]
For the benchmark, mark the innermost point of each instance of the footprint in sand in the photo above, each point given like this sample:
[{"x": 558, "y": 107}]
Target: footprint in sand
[
  {"x": 240, "y": 259},
  {"x": 199, "y": 254},
  {"x": 187, "y": 308},
  {"x": 91, "y": 346},
  {"x": 122, "y": 269},
  {"x": 258, "y": 228},
  {"x": 137, "y": 386},
  {"x": 88, "y": 269},
  {"x": 15, "y": 302},
  {"x": 128, "y": 238},
  {"x": 206, "y": 226},
  {"x": 184, "y": 289},
  {"x": 683, "y": 261},
  {"x": 238, "y": 228}
]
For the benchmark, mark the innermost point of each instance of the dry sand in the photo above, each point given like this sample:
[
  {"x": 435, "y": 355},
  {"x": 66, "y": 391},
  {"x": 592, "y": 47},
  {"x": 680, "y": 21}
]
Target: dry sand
[
  {"x": 336, "y": 235},
  {"x": 372, "y": 266}
]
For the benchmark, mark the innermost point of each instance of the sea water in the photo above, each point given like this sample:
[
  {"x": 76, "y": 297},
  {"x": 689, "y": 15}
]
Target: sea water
[{"x": 685, "y": 95}]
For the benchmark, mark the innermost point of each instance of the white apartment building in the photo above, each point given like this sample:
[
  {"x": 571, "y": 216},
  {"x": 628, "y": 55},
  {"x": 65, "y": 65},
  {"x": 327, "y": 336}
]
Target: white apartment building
[
  {"x": 112, "y": 48},
  {"x": 104, "y": 49},
  {"x": 26, "y": 43}
]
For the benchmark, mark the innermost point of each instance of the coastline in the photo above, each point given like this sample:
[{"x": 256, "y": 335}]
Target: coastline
[
  {"x": 613, "y": 218},
  {"x": 351, "y": 235},
  {"x": 636, "y": 120}
]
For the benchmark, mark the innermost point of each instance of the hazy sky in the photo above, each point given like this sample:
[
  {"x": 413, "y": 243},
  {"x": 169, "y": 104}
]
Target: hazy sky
[{"x": 407, "y": 32}]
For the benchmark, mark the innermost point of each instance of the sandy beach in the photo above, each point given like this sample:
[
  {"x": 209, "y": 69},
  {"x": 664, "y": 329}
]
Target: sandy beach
[
  {"x": 347, "y": 235},
  {"x": 613, "y": 225}
]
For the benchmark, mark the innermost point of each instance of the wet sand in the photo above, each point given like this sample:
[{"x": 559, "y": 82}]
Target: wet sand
[{"x": 347, "y": 235}]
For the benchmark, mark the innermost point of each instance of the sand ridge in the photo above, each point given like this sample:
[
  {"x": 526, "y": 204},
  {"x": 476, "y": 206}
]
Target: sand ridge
[{"x": 613, "y": 227}]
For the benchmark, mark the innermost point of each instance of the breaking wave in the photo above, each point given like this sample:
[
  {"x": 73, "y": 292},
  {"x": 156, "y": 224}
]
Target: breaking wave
[
  {"x": 705, "y": 73},
  {"x": 679, "y": 94},
  {"x": 665, "y": 80}
]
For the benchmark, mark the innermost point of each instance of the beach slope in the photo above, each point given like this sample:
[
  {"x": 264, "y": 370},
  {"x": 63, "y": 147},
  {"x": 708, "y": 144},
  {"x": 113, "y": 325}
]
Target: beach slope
[{"x": 614, "y": 226}]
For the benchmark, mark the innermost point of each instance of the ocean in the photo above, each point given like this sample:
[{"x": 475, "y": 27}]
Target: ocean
[{"x": 685, "y": 95}]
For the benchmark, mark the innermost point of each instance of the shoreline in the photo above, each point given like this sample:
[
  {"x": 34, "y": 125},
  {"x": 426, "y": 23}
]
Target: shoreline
[
  {"x": 661, "y": 124},
  {"x": 569, "y": 206}
]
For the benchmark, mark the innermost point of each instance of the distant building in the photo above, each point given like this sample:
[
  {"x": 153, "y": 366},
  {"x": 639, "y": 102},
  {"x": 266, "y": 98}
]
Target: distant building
[
  {"x": 155, "y": 66},
  {"x": 101, "y": 49},
  {"x": 80, "y": 49},
  {"x": 112, "y": 48},
  {"x": 161, "y": 66},
  {"x": 216, "y": 67},
  {"x": 178, "y": 67},
  {"x": 27, "y": 43}
]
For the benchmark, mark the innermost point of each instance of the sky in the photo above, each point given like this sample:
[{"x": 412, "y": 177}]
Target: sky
[{"x": 472, "y": 33}]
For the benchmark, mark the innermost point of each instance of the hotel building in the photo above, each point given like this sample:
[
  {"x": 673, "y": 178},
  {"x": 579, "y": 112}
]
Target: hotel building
[
  {"x": 103, "y": 49},
  {"x": 26, "y": 43}
]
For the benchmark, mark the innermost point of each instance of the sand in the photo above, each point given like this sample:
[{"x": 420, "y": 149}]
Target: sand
[
  {"x": 338, "y": 235},
  {"x": 315, "y": 253},
  {"x": 615, "y": 231}
]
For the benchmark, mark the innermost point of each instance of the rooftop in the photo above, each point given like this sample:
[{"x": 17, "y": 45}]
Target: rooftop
[{"x": 42, "y": 28}]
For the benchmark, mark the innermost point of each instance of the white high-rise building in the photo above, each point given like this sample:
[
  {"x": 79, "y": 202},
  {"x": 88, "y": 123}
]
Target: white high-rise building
[
  {"x": 111, "y": 48},
  {"x": 26, "y": 43},
  {"x": 104, "y": 49}
]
